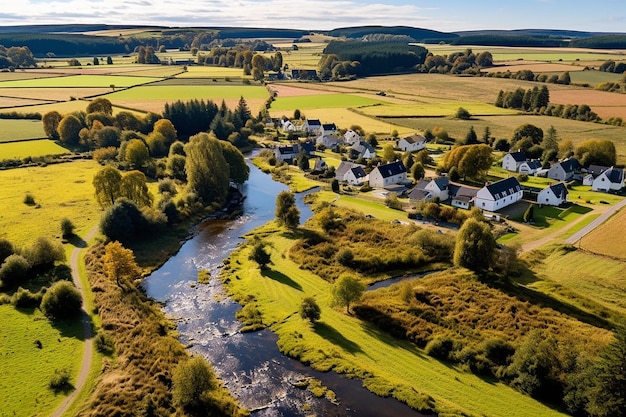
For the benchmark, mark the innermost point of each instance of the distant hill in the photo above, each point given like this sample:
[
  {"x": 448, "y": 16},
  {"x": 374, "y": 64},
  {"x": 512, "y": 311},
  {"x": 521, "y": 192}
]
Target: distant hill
[
  {"x": 547, "y": 33},
  {"x": 67, "y": 28},
  {"x": 541, "y": 38},
  {"x": 420, "y": 35}
]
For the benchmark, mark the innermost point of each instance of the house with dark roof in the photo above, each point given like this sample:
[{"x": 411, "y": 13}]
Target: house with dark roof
[
  {"x": 427, "y": 190},
  {"x": 513, "y": 160},
  {"x": 344, "y": 168},
  {"x": 329, "y": 141},
  {"x": 529, "y": 167},
  {"x": 362, "y": 150},
  {"x": 355, "y": 176},
  {"x": 497, "y": 195},
  {"x": 611, "y": 179},
  {"x": 287, "y": 153},
  {"x": 461, "y": 196},
  {"x": 312, "y": 126},
  {"x": 553, "y": 194},
  {"x": 412, "y": 143},
  {"x": 564, "y": 170},
  {"x": 388, "y": 174},
  {"x": 329, "y": 128}
]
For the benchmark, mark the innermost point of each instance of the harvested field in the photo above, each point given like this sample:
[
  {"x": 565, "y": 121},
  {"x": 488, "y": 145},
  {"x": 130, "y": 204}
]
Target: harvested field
[
  {"x": 11, "y": 102},
  {"x": 285, "y": 90},
  {"x": 51, "y": 94},
  {"x": 81, "y": 81},
  {"x": 211, "y": 72},
  {"x": 536, "y": 67},
  {"x": 605, "y": 104},
  {"x": 24, "y": 75},
  {"x": 611, "y": 231}
]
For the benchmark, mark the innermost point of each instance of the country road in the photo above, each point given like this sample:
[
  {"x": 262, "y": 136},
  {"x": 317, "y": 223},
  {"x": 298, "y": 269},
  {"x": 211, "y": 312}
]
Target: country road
[{"x": 87, "y": 329}]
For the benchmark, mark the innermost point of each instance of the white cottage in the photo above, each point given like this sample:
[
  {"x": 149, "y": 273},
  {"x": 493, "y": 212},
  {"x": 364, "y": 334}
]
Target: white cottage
[
  {"x": 553, "y": 195},
  {"x": 493, "y": 197},
  {"x": 529, "y": 167},
  {"x": 412, "y": 143},
  {"x": 363, "y": 150},
  {"x": 513, "y": 160},
  {"x": 351, "y": 137},
  {"x": 564, "y": 170},
  {"x": 611, "y": 179},
  {"x": 388, "y": 174}
]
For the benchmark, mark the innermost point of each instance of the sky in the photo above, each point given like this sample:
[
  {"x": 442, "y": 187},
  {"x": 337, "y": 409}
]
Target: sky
[{"x": 442, "y": 15}]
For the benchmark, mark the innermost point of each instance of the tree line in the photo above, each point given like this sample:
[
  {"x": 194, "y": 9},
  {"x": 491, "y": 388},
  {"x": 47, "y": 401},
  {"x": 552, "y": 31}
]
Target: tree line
[
  {"x": 16, "y": 57},
  {"x": 466, "y": 62}
]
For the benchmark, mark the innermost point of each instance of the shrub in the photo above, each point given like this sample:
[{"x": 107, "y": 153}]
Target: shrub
[
  {"x": 345, "y": 257},
  {"x": 392, "y": 201},
  {"x": 104, "y": 343},
  {"x": 29, "y": 199},
  {"x": 60, "y": 381},
  {"x": 440, "y": 347},
  {"x": 67, "y": 227},
  {"x": 14, "y": 270},
  {"x": 61, "y": 301},
  {"x": 6, "y": 249},
  {"x": 194, "y": 384},
  {"x": 167, "y": 185},
  {"x": 25, "y": 299},
  {"x": 310, "y": 310},
  {"x": 44, "y": 252}
]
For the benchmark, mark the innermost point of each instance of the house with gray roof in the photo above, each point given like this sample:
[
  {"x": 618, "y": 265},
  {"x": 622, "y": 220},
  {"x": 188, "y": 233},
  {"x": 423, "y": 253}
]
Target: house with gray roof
[
  {"x": 553, "y": 194},
  {"x": 611, "y": 179},
  {"x": 497, "y": 195},
  {"x": 412, "y": 143},
  {"x": 388, "y": 174},
  {"x": 564, "y": 170},
  {"x": 363, "y": 150}
]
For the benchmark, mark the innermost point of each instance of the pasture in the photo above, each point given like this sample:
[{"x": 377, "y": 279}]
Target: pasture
[
  {"x": 323, "y": 101},
  {"x": 32, "y": 148},
  {"x": 80, "y": 81},
  {"x": 14, "y": 130},
  {"x": 212, "y": 72},
  {"x": 26, "y": 368},
  {"x": 433, "y": 110}
]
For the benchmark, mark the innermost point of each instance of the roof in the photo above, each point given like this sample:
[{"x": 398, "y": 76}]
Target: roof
[
  {"x": 308, "y": 147},
  {"x": 457, "y": 191},
  {"x": 518, "y": 156},
  {"x": 361, "y": 147},
  {"x": 391, "y": 169},
  {"x": 288, "y": 149},
  {"x": 570, "y": 165},
  {"x": 596, "y": 170},
  {"x": 533, "y": 164},
  {"x": 313, "y": 122},
  {"x": 344, "y": 167},
  {"x": 329, "y": 126},
  {"x": 559, "y": 189},
  {"x": 358, "y": 172},
  {"x": 442, "y": 182},
  {"x": 615, "y": 176},
  {"x": 414, "y": 138},
  {"x": 418, "y": 194},
  {"x": 504, "y": 188}
]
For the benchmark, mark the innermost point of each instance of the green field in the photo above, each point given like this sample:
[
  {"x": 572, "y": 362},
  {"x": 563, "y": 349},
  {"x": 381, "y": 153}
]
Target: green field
[
  {"x": 322, "y": 101},
  {"x": 594, "y": 77},
  {"x": 80, "y": 81},
  {"x": 340, "y": 341},
  {"x": 34, "y": 148},
  {"x": 211, "y": 72},
  {"x": 433, "y": 110},
  {"x": 26, "y": 369},
  {"x": 11, "y": 130}
]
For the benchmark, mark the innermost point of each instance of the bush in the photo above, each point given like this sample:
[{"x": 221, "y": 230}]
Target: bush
[
  {"x": 67, "y": 228},
  {"x": 14, "y": 270},
  {"x": 440, "y": 347},
  {"x": 6, "y": 249},
  {"x": 25, "y": 299},
  {"x": 345, "y": 257},
  {"x": 60, "y": 381},
  {"x": 44, "y": 252},
  {"x": 104, "y": 343},
  {"x": 310, "y": 310},
  {"x": 61, "y": 301},
  {"x": 29, "y": 199}
]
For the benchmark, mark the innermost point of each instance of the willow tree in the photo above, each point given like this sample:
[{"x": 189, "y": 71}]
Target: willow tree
[
  {"x": 106, "y": 183},
  {"x": 133, "y": 187},
  {"x": 208, "y": 173}
]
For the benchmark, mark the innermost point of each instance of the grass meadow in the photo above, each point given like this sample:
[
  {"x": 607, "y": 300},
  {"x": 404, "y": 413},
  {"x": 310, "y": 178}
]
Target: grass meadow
[
  {"x": 612, "y": 230},
  {"x": 322, "y": 101},
  {"x": 341, "y": 342},
  {"x": 32, "y": 148},
  {"x": 12, "y": 130},
  {"x": 27, "y": 369},
  {"x": 80, "y": 81},
  {"x": 433, "y": 110}
]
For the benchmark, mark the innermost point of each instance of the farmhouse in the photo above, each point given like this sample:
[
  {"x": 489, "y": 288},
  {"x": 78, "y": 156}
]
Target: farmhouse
[
  {"x": 351, "y": 137},
  {"x": 412, "y": 143},
  {"x": 564, "y": 170},
  {"x": 497, "y": 195},
  {"x": 388, "y": 174},
  {"x": 611, "y": 179},
  {"x": 553, "y": 195},
  {"x": 428, "y": 190},
  {"x": 362, "y": 150},
  {"x": 461, "y": 196},
  {"x": 513, "y": 160},
  {"x": 529, "y": 167},
  {"x": 342, "y": 172}
]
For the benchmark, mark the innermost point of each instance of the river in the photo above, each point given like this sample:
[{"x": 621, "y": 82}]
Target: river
[{"x": 250, "y": 364}]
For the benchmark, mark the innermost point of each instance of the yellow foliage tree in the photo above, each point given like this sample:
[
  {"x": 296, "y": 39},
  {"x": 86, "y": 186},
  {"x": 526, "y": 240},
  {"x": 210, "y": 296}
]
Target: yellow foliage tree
[{"x": 119, "y": 264}]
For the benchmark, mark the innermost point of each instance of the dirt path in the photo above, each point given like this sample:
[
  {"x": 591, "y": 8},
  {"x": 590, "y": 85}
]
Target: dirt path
[{"x": 87, "y": 329}]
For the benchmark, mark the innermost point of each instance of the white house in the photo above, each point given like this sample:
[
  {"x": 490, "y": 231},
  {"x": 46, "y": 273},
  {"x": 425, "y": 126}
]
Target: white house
[
  {"x": 461, "y": 196},
  {"x": 329, "y": 128},
  {"x": 388, "y": 174},
  {"x": 344, "y": 167},
  {"x": 553, "y": 195},
  {"x": 439, "y": 188},
  {"x": 351, "y": 137},
  {"x": 329, "y": 141},
  {"x": 313, "y": 127},
  {"x": 287, "y": 152},
  {"x": 611, "y": 179},
  {"x": 355, "y": 176},
  {"x": 288, "y": 126},
  {"x": 513, "y": 160},
  {"x": 412, "y": 143},
  {"x": 497, "y": 195},
  {"x": 363, "y": 150},
  {"x": 564, "y": 170},
  {"x": 529, "y": 167}
]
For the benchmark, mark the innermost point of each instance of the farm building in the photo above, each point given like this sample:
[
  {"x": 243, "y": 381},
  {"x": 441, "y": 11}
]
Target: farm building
[
  {"x": 553, "y": 195},
  {"x": 611, "y": 179},
  {"x": 497, "y": 195},
  {"x": 412, "y": 143},
  {"x": 513, "y": 160},
  {"x": 564, "y": 170},
  {"x": 388, "y": 174}
]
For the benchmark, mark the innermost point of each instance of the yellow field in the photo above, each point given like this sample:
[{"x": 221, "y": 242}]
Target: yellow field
[
  {"x": 611, "y": 231},
  {"x": 61, "y": 190}
]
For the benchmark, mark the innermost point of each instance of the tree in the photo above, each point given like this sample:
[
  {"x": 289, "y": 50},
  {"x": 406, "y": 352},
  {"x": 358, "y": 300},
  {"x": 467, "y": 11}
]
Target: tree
[
  {"x": 551, "y": 139},
  {"x": 238, "y": 169},
  {"x": 287, "y": 214},
  {"x": 6, "y": 249},
  {"x": 529, "y": 213},
  {"x": 100, "y": 104},
  {"x": 69, "y": 127},
  {"x": 61, "y": 301},
  {"x": 527, "y": 130},
  {"x": 133, "y": 187},
  {"x": 109, "y": 60},
  {"x": 471, "y": 138},
  {"x": 67, "y": 227},
  {"x": 334, "y": 185},
  {"x": 475, "y": 245},
  {"x": 470, "y": 160},
  {"x": 207, "y": 169},
  {"x": 106, "y": 183},
  {"x": 347, "y": 290},
  {"x": 107, "y": 136},
  {"x": 51, "y": 122},
  {"x": 119, "y": 264},
  {"x": 418, "y": 171},
  {"x": 607, "y": 397},
  {"x": 123, "y": 221},
  {"x": 44, "y": 252},
  {"x": 310, "y": 310},
  {"x": 564, "y": 78},
  {"x": 462, "y": 114},
  {"x": 195, "y": 390},
  {"x": 303, "y": 161},
  {"x": 389, "y": 155},
  {"x": 136, "y": 153},
  {"x": 260, "y": 255},
  {"x": 487, "y": 136},
  {"x": 14, "y": 270},
  {"x": 597, "y": 152},
  {"x": 166, "y": 129}
]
